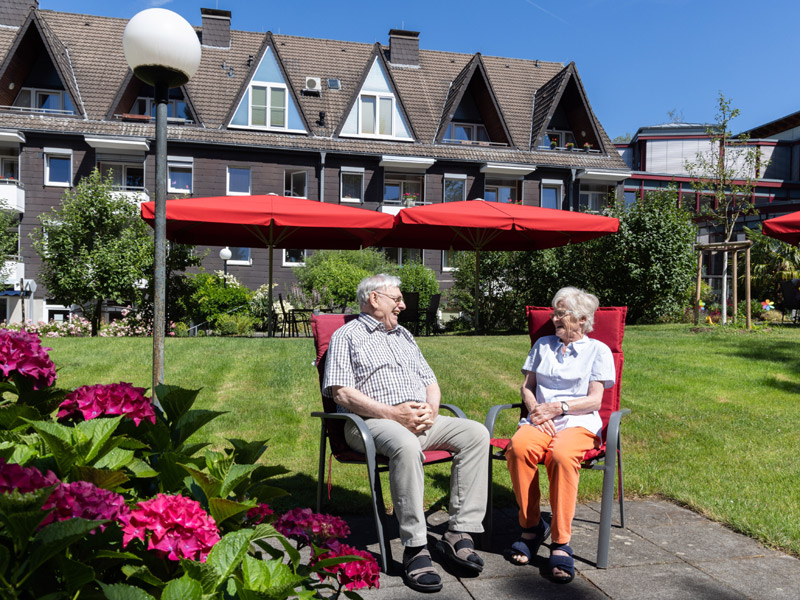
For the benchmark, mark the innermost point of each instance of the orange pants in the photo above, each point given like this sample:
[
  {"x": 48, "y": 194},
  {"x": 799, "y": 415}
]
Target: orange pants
[{"x": 562, "y": 456}]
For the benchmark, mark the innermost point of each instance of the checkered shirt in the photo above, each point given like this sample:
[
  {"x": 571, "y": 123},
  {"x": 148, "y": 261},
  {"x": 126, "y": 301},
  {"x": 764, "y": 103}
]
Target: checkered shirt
[{"x": 385, "y": 365}]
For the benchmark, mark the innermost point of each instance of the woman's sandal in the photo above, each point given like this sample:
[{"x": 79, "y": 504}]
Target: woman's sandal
[
  {"x": 529, "y": 547},
  {"x": 459, "y": 549},
  {"x": 564, "y": 563},
  {"x": 419, "y": 574}
]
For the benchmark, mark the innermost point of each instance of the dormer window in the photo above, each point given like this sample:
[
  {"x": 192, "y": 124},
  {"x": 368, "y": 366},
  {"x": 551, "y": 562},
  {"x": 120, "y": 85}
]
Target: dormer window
[
  {"x": 465, "y": 133},
  {"x": 44, "y": 101},
  {"x": 176, "y": 108},
  {"x": 557, "y": 139},
  {"x": 268, "y": 108},
  {"x": 376, "y": 114}
]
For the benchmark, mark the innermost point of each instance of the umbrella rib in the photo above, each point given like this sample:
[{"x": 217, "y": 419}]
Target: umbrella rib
[{"x": 476, "y": 244}]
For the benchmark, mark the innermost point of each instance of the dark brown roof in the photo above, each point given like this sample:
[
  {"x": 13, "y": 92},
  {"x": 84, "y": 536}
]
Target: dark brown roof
[{"x": 93, "y": 46}]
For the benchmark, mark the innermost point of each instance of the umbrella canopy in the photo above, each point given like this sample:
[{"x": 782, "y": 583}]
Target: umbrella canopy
[
  {"x": 785, "y": 228},
  {"x": 271, "y": 222},
  {"x": 480, "y": 225}
]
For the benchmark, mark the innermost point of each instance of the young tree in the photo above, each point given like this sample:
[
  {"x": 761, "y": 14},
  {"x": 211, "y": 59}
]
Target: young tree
[
  {"x": 725, "y": 176},
  {"x": 94, "y": 246},
  {"x": 9, "y": 238}
]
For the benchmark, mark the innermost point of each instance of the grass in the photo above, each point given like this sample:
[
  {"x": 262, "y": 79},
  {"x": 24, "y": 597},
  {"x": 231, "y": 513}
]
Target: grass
[{"x": 714, "y": 421}]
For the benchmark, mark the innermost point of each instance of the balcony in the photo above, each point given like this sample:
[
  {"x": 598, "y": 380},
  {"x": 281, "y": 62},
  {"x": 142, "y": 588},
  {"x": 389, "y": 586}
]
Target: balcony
[
  {"x": 134, "y": 194},
  {"x": 12, "y": 194},
  {"x": 13, "y": 271}
]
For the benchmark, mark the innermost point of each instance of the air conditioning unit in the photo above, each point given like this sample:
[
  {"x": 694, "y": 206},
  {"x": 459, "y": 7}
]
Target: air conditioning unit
[{"x": 313, "y": 84}]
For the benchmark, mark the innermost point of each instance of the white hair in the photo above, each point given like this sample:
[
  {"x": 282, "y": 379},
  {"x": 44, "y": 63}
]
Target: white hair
[
  {"x": 375, "y": 283},
  {"x": 579, "y": 303}
]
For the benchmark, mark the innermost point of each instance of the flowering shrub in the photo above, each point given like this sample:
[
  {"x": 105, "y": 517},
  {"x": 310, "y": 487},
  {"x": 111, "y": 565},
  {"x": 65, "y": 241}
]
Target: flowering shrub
[
  {"x": 122, "y": 398},
  {"x": 84, "y": 500},
  {"x": 178, "y": 527},
  {"x": 308, "y": 528},
  {"x": 75, "y": 326},
  {"x": 351, "y": 575},
  {"x": 22, "y": 356},
  {"x": 258, "y": 514},
  {"x": 24, "y": 479}
]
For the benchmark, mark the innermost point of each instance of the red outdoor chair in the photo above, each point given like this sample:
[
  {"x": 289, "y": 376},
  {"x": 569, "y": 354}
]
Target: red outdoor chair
[
  {"x": 609, "y": 328},
  {"x": 332, "y": 430}
]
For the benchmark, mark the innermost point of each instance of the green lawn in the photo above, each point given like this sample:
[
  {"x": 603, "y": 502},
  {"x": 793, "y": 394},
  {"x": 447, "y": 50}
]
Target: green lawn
[{"x": 714, "y": 421}]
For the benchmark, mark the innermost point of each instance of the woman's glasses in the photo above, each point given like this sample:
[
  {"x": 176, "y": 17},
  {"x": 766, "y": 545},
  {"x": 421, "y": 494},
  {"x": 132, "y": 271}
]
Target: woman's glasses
[{"x": 560, "y": 313}]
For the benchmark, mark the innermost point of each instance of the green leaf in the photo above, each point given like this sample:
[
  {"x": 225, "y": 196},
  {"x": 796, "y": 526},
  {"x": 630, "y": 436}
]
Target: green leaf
[
  {"x": 74, "y": 574},
  {"x": 59, "y": 441},
  {"x": 54, "y": 538},
  {"x": 99, "y": 431},
  {"x": 247, "y": 452},
  {"x": 175, "y": 400},
  {"x": 223, "y": 508},
  {"x": 208, "y": 484},
  {"x": 22, "y": 514},
  {"x": 265, "y": 472},
  {"x": 123, "y": 591},
  {"x": 204, "y": 573},
  {"x": 218, "y": 464},
  {"x": 191, "y": 449},
  {"x": 270, "y": 576},
  {"x": 141, "y": 469},
  {"x": 5, "y": 555},
  {"x": 171, "y": 473},
  {"x": 235, "y": 475},
  {"x": 115, "y": 459},
  {"x": 227, "y": 554},
  {"x": 142, "y": 573},
  {"x": 264, "y": 493},
  {"x": 182, "y": 589},
  {"x": 191, "y": 422},
  {"x": 117, "y": 555},
  {"x": 102, "y": 478},
  {"x": 131, "y": 444},
  {"x": 16, "y": 415}
]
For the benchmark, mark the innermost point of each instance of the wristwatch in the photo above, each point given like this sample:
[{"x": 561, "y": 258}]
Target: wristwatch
[{"x": 564, "y": 408}]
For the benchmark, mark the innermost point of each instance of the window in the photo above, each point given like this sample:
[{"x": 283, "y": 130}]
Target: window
[
  {"x": 352, "y": 185},
  {"x": 400, "y": 256},
  {"x": 448, "y": 260},
  {"x": 238, "y": 181},
  {"x": 179, "y": 173},
  {"x": 466, "y": 132},
  {"x": 505, "y": 192},
  {"x": 176, "y": 107},
  {"x": 126, "y": 177},
  {"x": 402, "y": 189},
  {"x": 44, "y": 101},
  {"x": 240, "y": 256},
  {"x": 551, "y": 193},
  {"x": 294, "y": 184},
  {"x": 455, "y": 187},
  {"x": 9, "y": 168},
  {"x": 557, "y": 138},
  {"x": 268, "y": 106},
  {"x": 58, "y": 167},
  {"x": 376, "y": 115},
  {"x": 294, "y": 257},
  {"x": 593, "y": 197}
]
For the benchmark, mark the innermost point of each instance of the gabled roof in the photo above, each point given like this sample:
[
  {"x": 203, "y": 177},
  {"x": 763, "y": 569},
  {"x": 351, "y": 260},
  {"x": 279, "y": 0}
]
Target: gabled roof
[
  {"x": 130, "y": 90},
  {"x": 566, "y": 88},
  {"x": 377, "y": 53},
  {"x": 23, "y": 53},
  {"x": 268, "y": 43},
  {"x": 473, "y": 77}
]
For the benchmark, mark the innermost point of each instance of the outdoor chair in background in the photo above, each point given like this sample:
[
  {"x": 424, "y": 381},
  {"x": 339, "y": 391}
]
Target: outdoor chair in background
[
  {"x": 301, "y": 321},
  {"x": 286, "y": 327},
  {"x": 332, "y": 431},
  {"x": 609, "y": 328},
  {"x": 790, "y": 290},
  {"x": 409, "y": 317},
  {"x": 429, "y": 320}
]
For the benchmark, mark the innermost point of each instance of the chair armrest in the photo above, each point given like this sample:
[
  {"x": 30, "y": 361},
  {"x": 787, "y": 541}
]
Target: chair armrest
[
  {"x": 363, "y": 430},
  {"x": 491, "y": 416},
  {"x": 453, "y": 409},
  {"x": 612, "y": 433}
]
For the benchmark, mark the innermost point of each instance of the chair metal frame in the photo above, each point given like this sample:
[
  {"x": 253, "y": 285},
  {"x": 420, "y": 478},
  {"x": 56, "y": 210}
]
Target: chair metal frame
[
  {"x": 331, "y": 430},
  {"x": 608, "y": 459}
]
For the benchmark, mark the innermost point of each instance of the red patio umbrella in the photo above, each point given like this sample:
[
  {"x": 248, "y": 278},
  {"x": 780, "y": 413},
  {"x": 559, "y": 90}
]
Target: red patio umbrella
[
  {"x": 479, "y": 225},
  {"x": 785, "y": 228},
  {"x": 270, "y": 221}
]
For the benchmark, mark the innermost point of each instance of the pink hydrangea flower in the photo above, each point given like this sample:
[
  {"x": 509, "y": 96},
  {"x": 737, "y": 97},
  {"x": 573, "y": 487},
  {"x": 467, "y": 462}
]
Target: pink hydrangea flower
[
  {"x": 352, "y": 575},
  {"x": 25, "y": 479},
  {"x": 22, "y": 353},
  {"x": 84, "y": 500},
  {"x": 94, "y": 401},
  {"x": 177, "y": 527},
  {"x": 306, "y": 527},
  {"x": 258, "y": 514}
]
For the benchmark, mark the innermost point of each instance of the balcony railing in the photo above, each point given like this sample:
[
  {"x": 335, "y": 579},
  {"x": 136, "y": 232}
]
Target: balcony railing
[
  {"x": 12, "y": 194},
  {"x": 13, "y": 270},
  {"x": 134, "y": 194}
]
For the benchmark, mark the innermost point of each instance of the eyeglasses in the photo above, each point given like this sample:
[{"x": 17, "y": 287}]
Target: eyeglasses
[
  {"x": 395, "y": 299},
  {"x": 560, "y": 313}
]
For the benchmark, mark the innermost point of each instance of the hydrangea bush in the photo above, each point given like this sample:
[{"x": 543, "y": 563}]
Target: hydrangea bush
[{"x": 112, "y": 500}]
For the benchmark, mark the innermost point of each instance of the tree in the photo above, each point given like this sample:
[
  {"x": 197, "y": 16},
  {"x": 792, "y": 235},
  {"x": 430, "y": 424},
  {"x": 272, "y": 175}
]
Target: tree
[
  {"x": 9, "y": 238},
  {"x": 93, "y": 247},
  {"x": 725, "y": 176}
]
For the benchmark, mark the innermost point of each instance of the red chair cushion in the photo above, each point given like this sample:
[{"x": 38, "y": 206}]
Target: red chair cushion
[
  {"x": 609, "y": 324},
  {"x": 322, "y": 327}
]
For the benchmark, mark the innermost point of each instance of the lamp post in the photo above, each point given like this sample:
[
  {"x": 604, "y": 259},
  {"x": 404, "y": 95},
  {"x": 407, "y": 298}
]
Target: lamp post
[
  {"x": 162, "y": 49},
  {"x": 225, "y": 255}
]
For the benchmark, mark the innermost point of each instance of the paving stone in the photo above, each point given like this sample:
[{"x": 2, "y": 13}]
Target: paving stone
[{"x": 775, "y": 577}]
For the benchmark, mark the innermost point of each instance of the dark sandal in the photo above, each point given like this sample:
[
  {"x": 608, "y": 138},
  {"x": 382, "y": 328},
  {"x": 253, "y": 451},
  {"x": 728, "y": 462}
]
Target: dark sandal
[
  {"x": 565, "y": 563},
  {"x": 459, "y": 549},
  {"x": 419, "y": 574},
  {"x": 530, "y": 547}
]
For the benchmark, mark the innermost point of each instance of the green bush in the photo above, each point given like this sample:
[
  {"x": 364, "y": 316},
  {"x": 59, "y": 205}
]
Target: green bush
[
  {"x": 181, "y": 329},
  {"x": 260, "y": 307},
  {"x": 335, "y": 274},
  {"x": 416, "y": 277},
  {"x": 212, "y": 298}
]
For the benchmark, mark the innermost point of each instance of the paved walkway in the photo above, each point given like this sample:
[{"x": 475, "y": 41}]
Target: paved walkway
[{"x": 664, "y": 552}]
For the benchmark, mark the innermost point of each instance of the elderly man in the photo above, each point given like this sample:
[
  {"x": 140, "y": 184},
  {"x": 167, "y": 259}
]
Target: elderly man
[{"x": 376, "y": 370}]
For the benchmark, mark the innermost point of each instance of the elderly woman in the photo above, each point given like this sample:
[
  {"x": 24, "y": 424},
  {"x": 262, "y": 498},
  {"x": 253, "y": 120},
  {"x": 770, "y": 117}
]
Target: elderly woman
[{"x": 565, "y": 375}]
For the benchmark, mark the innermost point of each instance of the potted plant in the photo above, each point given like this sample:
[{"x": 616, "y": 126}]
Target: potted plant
[
  {"x": 409, "y": 199},
  {"x": 570, "y": 145},
  {"x": 553, "y": 144},
  {"x": 587, "y": 146}
]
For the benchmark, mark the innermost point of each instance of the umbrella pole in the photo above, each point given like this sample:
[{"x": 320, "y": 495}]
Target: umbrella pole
[
  {"x": 270, "y": 333},
  {"x": 477, "y": 279}
]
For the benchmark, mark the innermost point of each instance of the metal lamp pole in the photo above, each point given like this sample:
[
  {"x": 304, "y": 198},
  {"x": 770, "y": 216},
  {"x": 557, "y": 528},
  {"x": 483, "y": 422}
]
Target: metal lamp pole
[
  {"x": 162, "y": 49},
  {"x": 225, "y": 254}
]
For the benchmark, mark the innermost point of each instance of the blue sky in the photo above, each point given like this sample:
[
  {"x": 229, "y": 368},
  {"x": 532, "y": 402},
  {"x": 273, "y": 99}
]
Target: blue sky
[{"x": 638, "y": 59}]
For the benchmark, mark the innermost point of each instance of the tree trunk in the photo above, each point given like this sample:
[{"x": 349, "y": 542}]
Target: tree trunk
[
  {"x": 98, "y": 310},
  {"x": 724, "y": 316}
]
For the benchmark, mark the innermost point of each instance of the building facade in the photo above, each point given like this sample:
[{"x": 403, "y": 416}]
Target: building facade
[{"x": 376, "y": 126}]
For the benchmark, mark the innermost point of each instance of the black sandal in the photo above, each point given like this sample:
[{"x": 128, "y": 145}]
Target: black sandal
[
  {"x": 418, "y": 572},
  {"x": 459, "y": 549},
  {"x": 564, "y": 563},
  {"x": 529, "y": 547}
]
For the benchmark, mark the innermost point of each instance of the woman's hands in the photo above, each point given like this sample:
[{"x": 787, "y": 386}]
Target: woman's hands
[{"x": 542, "y": 415}]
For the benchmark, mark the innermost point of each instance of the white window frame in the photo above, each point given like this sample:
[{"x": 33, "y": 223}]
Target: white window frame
[
  {"x": 287, "y": 263},
  {"x": 150, "y": 107},
  {"x": 123, "y": 167},
  {"x": 9, "y": 160},
  {"x": 180, "y": 162},
  {"x": 243, "y": 263},
  {"x": 34, "y": 93},
  {"x": 391, "y": 178},
  {"x": 564, "y": 137},
  {"x": 63, "y": 153},
  {"x": 290, "y": 190},
  {"x": 454, "y": 177},
  {"x": 559, "y": 187},
  {"x": 473, "y": 135},
  {"x": 498, "y": 186},
  {"x": 356, "y": 172},
  {"x": 228, "y": 181},
  {"x": 447, "y": 269},
  {"x": 378, "y": 97},
  {"x": 268, "y": 86}
]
